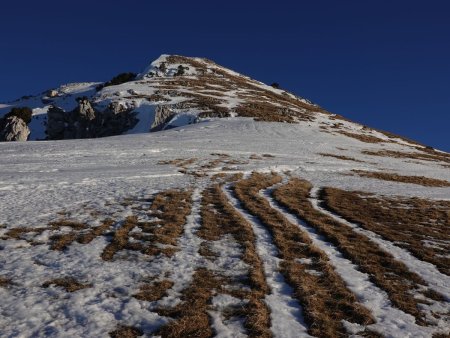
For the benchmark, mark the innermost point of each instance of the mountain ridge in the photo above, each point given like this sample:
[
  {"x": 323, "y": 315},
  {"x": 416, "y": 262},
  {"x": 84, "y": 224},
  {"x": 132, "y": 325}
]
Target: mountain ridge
[{"x": 174, "y": 91}]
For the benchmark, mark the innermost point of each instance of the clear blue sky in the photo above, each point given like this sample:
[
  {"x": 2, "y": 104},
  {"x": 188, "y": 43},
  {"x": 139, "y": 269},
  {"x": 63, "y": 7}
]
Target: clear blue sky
[{"x": 382, "y": 63}]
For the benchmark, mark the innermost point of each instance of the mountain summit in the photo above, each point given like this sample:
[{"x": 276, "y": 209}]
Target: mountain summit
[{"x": 172, "y": 91}]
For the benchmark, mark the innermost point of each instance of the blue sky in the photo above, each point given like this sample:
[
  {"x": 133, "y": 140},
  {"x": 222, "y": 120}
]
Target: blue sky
[{"x": 385, "y": 64}]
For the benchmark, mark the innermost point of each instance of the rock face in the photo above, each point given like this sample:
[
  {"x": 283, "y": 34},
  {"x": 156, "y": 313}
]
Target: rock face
[
  {"x": 85, "y": 110},
  {"x": 13, "y": 128},
  {"x": 163, "y": 114},
  {"x": 87, "y": 122}
]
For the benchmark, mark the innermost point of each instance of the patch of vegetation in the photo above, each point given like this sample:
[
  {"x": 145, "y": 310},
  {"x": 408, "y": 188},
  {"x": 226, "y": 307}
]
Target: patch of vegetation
[
  {"x": 117, "y": 80},
  {"x": 417, "y": 225},
  {"x": 23, "y": 113},
  {"x": 393, "y": 177},
  {"x": 326, "y": 299},
  {"x": 69, "y": 284},
  {"x": 364, "y": 253}
]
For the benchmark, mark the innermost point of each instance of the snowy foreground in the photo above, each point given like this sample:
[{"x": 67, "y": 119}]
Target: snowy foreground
[{"x": 89, "y": 180}]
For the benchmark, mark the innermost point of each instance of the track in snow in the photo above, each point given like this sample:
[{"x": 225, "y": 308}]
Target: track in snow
[
  {"x": 286, "y": 312},
  {"x": 391, "y": 321}
]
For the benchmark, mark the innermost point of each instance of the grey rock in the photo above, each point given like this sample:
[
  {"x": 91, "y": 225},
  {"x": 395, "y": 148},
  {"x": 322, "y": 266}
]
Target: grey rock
[
  {"x": 14, "y": 128},
  {"x": 56, "y": 123},
  {"x": 87, "y": 122},
  {"x": 85, "y": 110},
  {"x": 163, "y": 115}
]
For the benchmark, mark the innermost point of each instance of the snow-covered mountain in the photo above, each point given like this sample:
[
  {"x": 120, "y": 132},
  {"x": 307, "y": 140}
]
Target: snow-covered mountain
[
  {"x": 173, "y": 91},
  {"x": 247, "y": 211}
]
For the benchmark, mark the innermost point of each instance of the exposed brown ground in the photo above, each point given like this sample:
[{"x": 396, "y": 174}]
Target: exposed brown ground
[
  {"x": 171, "y": 207},
  {"x": 341, "y": 157},
  {"x": 5, "y": 282},
  {"x": 159, "y": 236},
  {"x": 384, "y": 270},
  {"x": 80, "y": 233},
  {"x": 190, "y": 316},
  {"x": 126, "y": 332},
  {"x": 62, "y": 241},
  {"x": 425, "y": 155},
  {"x": 120, "y": 238},
  {"x": 324, "y": 296},
  {"x": 261, "y": 104},
  {"x": 154, "y": 291},
  {"x": 362, "y": 137},
  {"x": 409, "y": 222},
  {"x": 420, "y": 180},
  {"x": 218, "y": 219},
  {"x": 69, "y": 284}
]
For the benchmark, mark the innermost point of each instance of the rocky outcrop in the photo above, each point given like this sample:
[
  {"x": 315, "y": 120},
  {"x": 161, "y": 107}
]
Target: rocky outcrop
[
  {"x": 163, "y": 114},
  {"x": 115, "y": 120},
  {"x": 56, "y": 123},
  {"x": 87, "y": 122},
  {"x": 85, "y": 110},
  {"x": 13, "y": 128}
]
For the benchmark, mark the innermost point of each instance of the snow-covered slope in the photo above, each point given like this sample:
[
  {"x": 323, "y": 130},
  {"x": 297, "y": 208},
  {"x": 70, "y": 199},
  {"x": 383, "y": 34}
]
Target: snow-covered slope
[{"x": 148, "y": 233}]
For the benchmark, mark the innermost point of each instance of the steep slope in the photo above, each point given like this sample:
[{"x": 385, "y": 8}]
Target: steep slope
[{"x": 229, "y": 226}]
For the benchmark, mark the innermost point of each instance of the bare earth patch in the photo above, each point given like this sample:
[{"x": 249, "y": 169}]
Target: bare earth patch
[
  {"x": 154, "y": 291},
  {"x": 419, "y": 180},
  {"x": 126, "y": 332},
  {"x": 424, "y": 155},
  {"x": 69, "y": 284},
  {"x": 191, "y": 318},
  {"x": 362, "y": 137},
  {"x": 341, "y": 157},
  {"x": 5, "y": 282}
]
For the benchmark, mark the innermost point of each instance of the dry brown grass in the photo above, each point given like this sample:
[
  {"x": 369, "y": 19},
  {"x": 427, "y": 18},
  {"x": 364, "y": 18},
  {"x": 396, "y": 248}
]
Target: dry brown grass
[
  {"x": 441, "y": 335},
  {"x": 264, "y": 111},
  {"x": 218, "y": 219},
  {"x": 409, "y": 222},
  {"x": 424, "y": 155},
  {"x": 89, "y": 236},
  {"x": 191, "y": 318},
  {"x": 171, "y": 207},
  {"x": 179, "y": 162},
  {"x": 21, "y": 232},
  {"x": 159, "y": 236},
  {"x": 5, "y": 282},
  {"x": 258, "y": 100},
  {"x": 419, "y": 180},
  {"x": 120, "y": 239},
  {"x": 69, "y": 284},
  {"x": 255, "y": 157},
  {"x": 384, "y": 270},
  {"x": 341, "y": 157},
  {"x": 62, "y": 241},
  {"x": 81, "y": 233},
  {"x": 154, "y": 291},
  {"x": 324, "y": 296},
  {"x": 126, "y": 332},
  {"x": 362, "y": 137},
  {"x": 68, "y": 223}
]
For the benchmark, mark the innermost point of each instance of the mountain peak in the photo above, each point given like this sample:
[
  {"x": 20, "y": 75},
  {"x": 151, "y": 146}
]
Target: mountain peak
[{"x": 175, "y": 91}]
